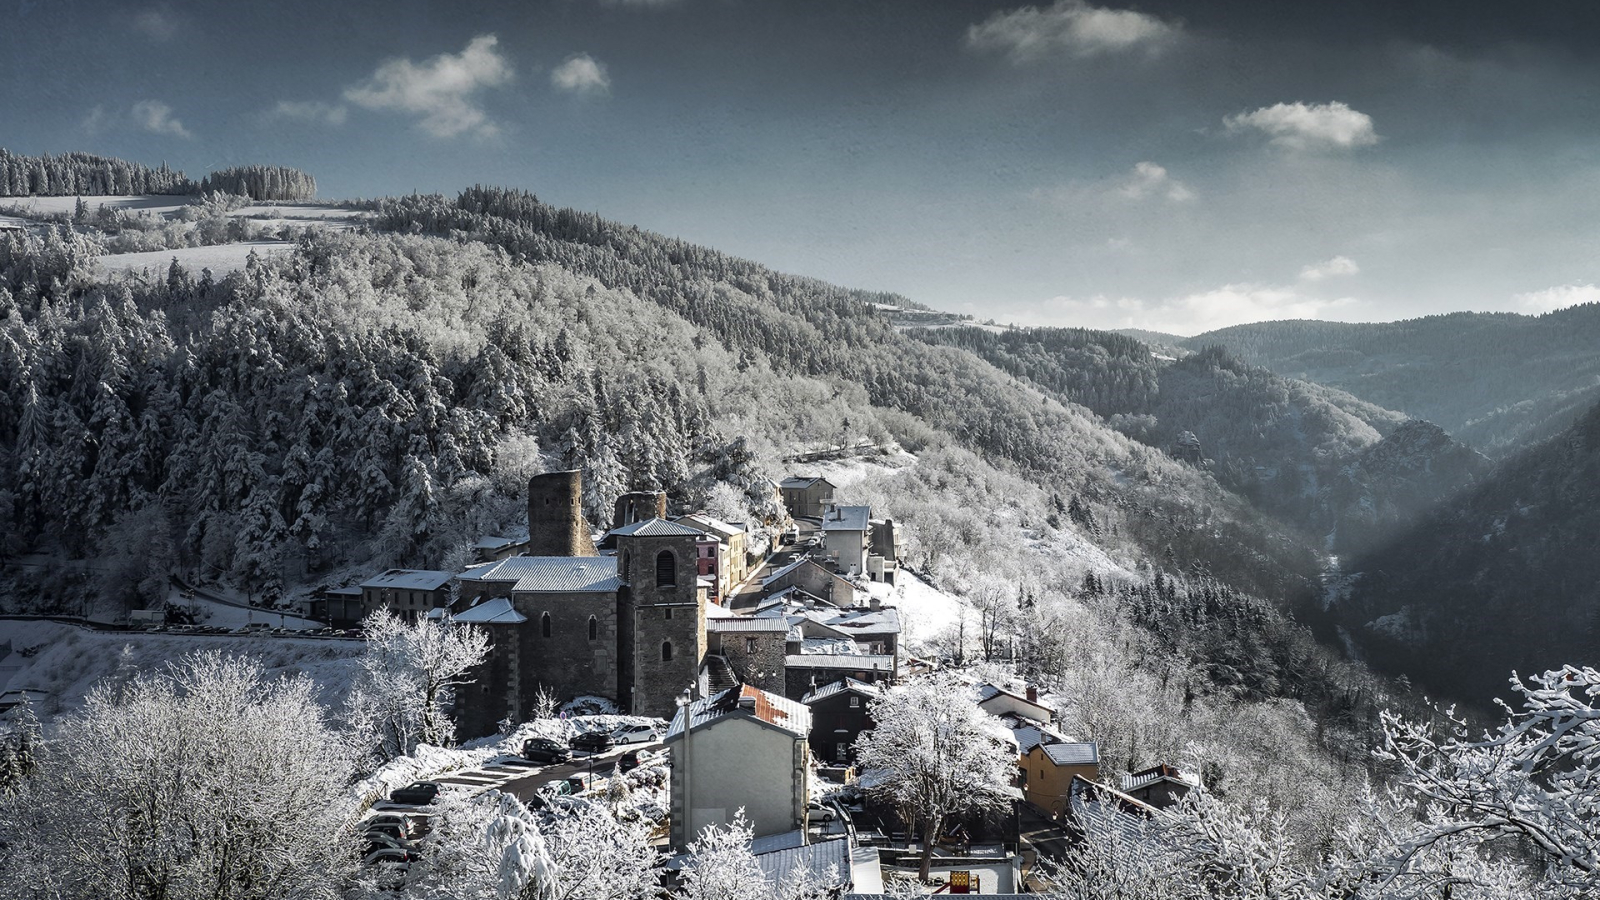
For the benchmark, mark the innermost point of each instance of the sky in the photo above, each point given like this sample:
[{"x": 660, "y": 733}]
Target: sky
[{"x": 1176, "y": 165}]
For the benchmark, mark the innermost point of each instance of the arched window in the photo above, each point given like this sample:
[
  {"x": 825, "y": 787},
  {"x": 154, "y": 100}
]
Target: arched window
[
  {"x": 666, "y": 651},
  {"x": 594, "y": 628},
  {"x": 544, "y": 624},
  {"x": 666, "y": 569}
]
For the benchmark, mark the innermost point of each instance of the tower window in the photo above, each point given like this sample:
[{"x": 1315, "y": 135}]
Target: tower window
[
  {"x": 666, "y": 651},
  {"x": 666, "y": 569},
  {"x": 594, "y": 628},
  {"x": 544, "y": 625},
  {"x": 667, "y": 613}
]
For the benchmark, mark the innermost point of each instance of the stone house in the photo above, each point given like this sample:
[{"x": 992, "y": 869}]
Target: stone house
[
  {"x": 813, "y": 578},
  {"x": 804, "y": 672},
  {"x": 755, "y": 648},
  {"x": 408, "y": 593},
  {"x": 839, "y": 713},
  {"x": 806, "y": 497},
  {"x": 744, "y": 748}
]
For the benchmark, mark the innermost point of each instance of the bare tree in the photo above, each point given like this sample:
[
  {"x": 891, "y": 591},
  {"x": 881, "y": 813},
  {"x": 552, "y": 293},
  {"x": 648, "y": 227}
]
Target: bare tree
[{"x": 409, "y": 675}]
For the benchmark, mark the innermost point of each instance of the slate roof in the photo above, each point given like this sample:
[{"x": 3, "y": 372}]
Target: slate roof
[
  {"x": 410, "y": 580},
  {"x": 501, "y": 541},
  {"x": 772, "y": 710},
  {"x": 780, "y": 865},
  {"x": 801, "y": 481},
  {"x": 743, "y": 623},
  {"x": 498, "y": 611},
  {"x": 861, "y": 662},
  {"x": 1083, "y": 753},
  {"x": 839, "y": 687},
  {"x": 876, "y": 621},
  {"x": 715, "y": 527},
  {"x": 551, "y": 574},
  {"x": 1102, "y": 812},
  {"x": 654, "y": 528},
  {"x": 1134, "y": 781},
  {"x": 785, "y": 570},
  {"x": 848, "y": 518}
]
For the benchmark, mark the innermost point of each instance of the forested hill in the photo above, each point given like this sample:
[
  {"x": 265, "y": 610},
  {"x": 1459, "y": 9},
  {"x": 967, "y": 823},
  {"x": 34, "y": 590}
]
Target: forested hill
[
  {"x": 1494, "y": 380},
  {"x": 1314, "y": 456},
  {"x": 1505, "y": 577},
  {"x": 85, "y": 174}
]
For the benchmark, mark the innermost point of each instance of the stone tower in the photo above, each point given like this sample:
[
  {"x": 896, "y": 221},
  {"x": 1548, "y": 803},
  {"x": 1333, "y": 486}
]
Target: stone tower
[
  {"x": 556, "y": 526},
  {"x": 666, "y": 645},
  {"x": 638, "y": 506}
]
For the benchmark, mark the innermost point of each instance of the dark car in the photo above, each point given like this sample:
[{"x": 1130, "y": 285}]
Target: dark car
[
  {"x": 545, "y": 750},
  {"x": 419, "y": 793},
  {"x": 633, "y": 759},
  {"x": 593, "y": 741}
]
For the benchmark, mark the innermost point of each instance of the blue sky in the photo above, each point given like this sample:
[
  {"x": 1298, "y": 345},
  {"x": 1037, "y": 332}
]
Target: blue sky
[{"x": 1175, "y": 166}]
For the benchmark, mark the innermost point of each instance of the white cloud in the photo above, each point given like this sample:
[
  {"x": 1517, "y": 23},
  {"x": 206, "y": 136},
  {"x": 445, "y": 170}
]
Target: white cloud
[
  {"x": 1302, "y": 126},
  {"x": 441, "y": 90},
  {"x": 311, "y": 111},
  {"x": 1560, "y": 297},
  {"x": 1150, "y": 180},
  {"x": 95, "y": 120},
  {"x": 1070, "y": 26},
  {"x": 157, "y": 23},
  {"x": 157, "y": 118},
  {"x": 581, "y": 74},
  {"x": 1329, "y": 268},
  {"x": 1190, "y": 314}
]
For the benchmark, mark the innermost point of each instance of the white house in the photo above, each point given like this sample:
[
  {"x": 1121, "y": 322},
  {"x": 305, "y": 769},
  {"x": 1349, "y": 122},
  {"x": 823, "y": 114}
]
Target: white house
[{"x": 848, "y": 531}]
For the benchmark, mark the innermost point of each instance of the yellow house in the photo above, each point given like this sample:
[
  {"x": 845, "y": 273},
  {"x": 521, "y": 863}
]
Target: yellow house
[{"x": 1047, "y": 772}]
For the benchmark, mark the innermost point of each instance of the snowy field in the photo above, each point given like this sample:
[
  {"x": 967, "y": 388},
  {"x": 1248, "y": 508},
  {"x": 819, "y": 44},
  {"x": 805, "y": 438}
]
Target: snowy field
[
  {"x": 167, "y": 205},
  {"x": 66, "y": 660},
  {"x": 219, "y": 258}
]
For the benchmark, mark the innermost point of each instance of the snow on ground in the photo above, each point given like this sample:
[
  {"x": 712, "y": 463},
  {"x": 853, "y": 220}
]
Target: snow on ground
[
  {"x": 219, "y": 258},
  {"x": 67, "y": 660},
  {"x": 926, "y": 613},
  {"x": 847, "y": 473},
  {"x": 164, "y": 204}
]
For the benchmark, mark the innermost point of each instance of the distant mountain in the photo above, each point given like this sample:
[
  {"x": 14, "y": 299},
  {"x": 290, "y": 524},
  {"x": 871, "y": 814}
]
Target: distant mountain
[
  {"x": 1494, "y": 380},
  {"x": 1506, "y": 576},
  {"x": 1340, "y": 469}
]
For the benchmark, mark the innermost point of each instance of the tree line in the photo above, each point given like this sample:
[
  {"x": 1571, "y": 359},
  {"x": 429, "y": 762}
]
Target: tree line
[{"x": 86, "y": 174}]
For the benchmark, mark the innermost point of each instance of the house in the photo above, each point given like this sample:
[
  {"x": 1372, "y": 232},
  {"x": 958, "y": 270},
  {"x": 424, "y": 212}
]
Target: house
[
  {"x": 743, "y": 748},
  {"x": 839, "y": 713},
  {"x": 340, "y": 607},
  {"x": 1048, "y": 771},
  {"x": 1111, "y": 818},
  {"x": 492, "y": 547},
  {"x": 806, "y": 671},
  {"x": 847, "y": 538},
  {"x": 997, "y": 701},
  {"x": 813, "y": 578},
  {"x": 735, "y": 561},
  {"x": 408, "y": 593},
  {"x": 806, "y": 497},
  {"x": 1161, "y": 786},
  {"x": 12, "y": 699},
  {"x": 630, "y": 627},
  {"x": 836, "y": 864},
  {"x": 755, "y": 648},
  {"x": 888, "y": 542}
]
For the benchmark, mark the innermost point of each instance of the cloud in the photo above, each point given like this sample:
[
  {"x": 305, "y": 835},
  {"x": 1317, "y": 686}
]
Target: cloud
[
  {"x": 581, "y": 74},
  {"x": 1553, "y": 298},
  {"x": 157, "y": 118},
  {"x": 95, "y": 120},
  {"x": 311, "y": 111},
  {"x": 158, "y": 23},
  {"x": 1339, "y": 265},
  {"x": 1070, "y": 26},
  {"x": 1190, "y": 314},
  {"x": 1150, "y": 180},
  {"x": 440, "y": 91},
  {"x": 1301, "y": 126}
]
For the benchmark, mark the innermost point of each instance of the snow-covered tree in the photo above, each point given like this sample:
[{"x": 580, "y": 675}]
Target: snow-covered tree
[
  {"x": 933, "y": 757},
  {"x": 206, "y": 780},
  {"x": 407, "y": 681},
  {"x": 721, "y": 867}
]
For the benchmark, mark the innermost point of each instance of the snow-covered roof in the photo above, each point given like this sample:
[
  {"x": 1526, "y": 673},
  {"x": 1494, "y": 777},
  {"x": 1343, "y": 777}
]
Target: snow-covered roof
[
  {"x": 778, "y": 866},
  {"x": 551, "y": 574},
  {"x": 862, "y": 662},
  {"x": 838, "y": 687},
  {"x": 410, "y": 580},
  {"x": 1081, "y": 753},
  {"x": 847, "y": 518},
  {"x": 747, "y": 623},
  {"x": 654, "y": 528},
  {"x": 716, "y": 527},
  {"x": 1136, "y": 780},
  {"x": 353, "y": 590},
  {"x": 785, "y": 570},
  {"x": 1031, "y": 736},
  {"x": 497, "y": 611},
  {"x": 863, "y": 621},
  {"x": 501, "y": 541},
  {"x": 748, "y": 702},
  {"x": 797, "y": 482},
  {"x": 1100, "y": 811}
]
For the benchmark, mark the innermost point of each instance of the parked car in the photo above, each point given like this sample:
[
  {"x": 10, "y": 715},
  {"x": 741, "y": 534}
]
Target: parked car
[
  {"x": 412, "y": 827},
  {"x": 577, "y": 784},
  {"x": 374, "y": 855},
  {"x": 820, "y": 812},
  {"x": 418, "y": 793},
  {"x": 546, "y": 750},
  {"x": 633, "y": 759},
  {"x": 593, "y": 741},
  {"x": 636, "y": 734}
]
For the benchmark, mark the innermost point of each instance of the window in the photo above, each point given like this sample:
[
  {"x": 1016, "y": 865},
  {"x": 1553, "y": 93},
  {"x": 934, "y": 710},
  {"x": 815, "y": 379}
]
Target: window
[
  {"x": 749, "y": 645},
  {"x": 666, "y": 569},
  {"x": 855, "y": 702},
  {"x": 544, "y": 625},
  {"x": 594, "y": 628},
  {"x": 666, "y": 651},
  {"x": 666, "y": 613}
]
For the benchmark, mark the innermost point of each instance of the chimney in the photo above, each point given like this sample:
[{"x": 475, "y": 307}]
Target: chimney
[
  {"x": 875, "y": 602},
  {"x": 747, "y": 701},
  {"x": 1033, "y": 694}
]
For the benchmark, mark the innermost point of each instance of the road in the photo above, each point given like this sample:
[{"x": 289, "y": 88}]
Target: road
[{"x": 524, "y": 786}]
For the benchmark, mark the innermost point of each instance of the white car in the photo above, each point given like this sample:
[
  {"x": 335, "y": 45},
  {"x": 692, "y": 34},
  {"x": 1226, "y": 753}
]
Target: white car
[
  {"x": 818, "y": 812},
  {"x": 636, "y": 734}
]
